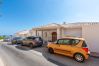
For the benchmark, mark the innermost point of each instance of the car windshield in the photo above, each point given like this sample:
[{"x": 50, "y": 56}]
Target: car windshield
[
  {"x": 30, "y": 38},
  {"x": 17, "y": 38}
]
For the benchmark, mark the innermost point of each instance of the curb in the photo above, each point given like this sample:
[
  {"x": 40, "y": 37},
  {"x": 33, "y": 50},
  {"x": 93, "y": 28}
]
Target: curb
[{"x": 94, "y": 54}]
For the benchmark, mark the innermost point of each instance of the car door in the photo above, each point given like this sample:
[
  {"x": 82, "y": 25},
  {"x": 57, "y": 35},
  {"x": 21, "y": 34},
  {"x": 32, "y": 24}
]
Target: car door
[
  {"x": 24, "y": 41},
  {"x": 64, "y": 46},
  {"x": 56, "y": 46},
  {"x": 68, "y": 46}
]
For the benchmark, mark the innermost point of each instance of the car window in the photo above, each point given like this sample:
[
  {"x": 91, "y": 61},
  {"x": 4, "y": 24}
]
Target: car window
[
  {"x": 74, "y": 41},
  {"x": 37, "y": 39},
  {"x": 15, "y": 38},
  {"x": 60, "y": 41},
  {"x": 64, "y": 41},
  {"x": 29, "y": 38},
  {"x": 84, "y": 44},
  {"x": 67, "y": 41}
]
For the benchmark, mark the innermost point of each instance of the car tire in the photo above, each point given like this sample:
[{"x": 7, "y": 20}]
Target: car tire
[
  {"x": 50, "y": 50},
  {"x": 79, "y": 57}
]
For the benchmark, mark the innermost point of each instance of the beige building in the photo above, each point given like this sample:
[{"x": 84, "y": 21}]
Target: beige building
[{"x": 89, "y": 31}]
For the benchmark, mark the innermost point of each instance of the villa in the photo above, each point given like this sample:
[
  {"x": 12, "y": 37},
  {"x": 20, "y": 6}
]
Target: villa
[{"x": 88, "y": 30}]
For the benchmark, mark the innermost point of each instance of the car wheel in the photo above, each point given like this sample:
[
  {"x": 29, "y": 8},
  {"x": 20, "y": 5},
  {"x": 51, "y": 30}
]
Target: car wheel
[
  {"x": 79, "y": 57},
  {"x": 50, "y": 50}
]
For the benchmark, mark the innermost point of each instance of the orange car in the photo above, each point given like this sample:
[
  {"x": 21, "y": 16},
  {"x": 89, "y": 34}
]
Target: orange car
[{"x": 70, "y": 46}]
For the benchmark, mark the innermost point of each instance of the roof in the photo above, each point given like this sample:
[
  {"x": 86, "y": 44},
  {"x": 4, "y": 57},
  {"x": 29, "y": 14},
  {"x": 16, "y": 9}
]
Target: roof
[
  {"x": 66, "y": 25},
  {"x": 23, "y": 32},
  {"x": 49, "y": 26}
]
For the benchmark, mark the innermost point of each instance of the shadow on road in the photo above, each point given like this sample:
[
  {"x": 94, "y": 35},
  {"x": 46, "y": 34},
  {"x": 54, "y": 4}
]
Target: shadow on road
[{"x": 23, "y": 48}]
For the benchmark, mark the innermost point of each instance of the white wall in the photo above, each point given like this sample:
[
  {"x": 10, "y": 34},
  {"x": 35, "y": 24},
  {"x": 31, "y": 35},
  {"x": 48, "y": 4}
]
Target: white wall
[
  {"x": 91, "y": 35},
  {"x": 44, "y": 36},
  {"x": 33, "y": 32},
  {"x": 73, "y": 32},
  {"x": 49, "y": 34}
]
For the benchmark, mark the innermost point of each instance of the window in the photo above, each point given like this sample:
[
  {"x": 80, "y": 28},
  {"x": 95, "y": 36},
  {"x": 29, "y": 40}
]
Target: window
[
  {"x": 68, "y": 41},
  {"x": 37, "y": 39},
  {"x": 74, "y": 41},
  {"x": 29, "y": 38},
  {"x": 84, "y": 44},
  {"x": 64, "y": 41},
  {"x": 60, "y": 41}
]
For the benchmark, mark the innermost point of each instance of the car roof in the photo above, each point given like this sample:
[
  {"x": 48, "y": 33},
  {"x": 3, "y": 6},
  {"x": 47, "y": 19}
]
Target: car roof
[{"x": 73, "y": 38}]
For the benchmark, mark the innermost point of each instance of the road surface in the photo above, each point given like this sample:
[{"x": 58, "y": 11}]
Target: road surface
[{"x": 14, "y": 55}]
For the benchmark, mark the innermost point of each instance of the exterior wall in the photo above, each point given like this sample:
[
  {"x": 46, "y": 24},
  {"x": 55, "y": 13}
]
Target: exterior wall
[
  {"x": 46, "y": 34},
  {"x": 39, "y": 33},
  {"x": 33, "y": 32},
  {"x": 49, "y": 34},
  {"x": 59, "y": 33},
  {"x": 91, "y": 35},
  {"x": 77, "y": 32},
  {"x": 89, "y": 31},
  {"x": 24, "y": 33}
]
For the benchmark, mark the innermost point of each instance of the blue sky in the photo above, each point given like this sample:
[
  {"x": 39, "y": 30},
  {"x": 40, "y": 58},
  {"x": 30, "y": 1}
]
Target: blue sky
[{"x": 20, "y": 15}]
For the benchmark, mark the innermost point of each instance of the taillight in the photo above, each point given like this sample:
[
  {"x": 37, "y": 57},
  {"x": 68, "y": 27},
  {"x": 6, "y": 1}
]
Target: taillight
[{"x": 86, "y": 49}]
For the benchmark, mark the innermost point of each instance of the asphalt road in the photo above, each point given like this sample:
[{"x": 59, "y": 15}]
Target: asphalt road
[{"x": 14, "y": 55}]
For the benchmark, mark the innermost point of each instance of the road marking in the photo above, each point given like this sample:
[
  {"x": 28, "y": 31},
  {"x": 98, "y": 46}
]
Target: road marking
[{"x": 1, "y": 62}]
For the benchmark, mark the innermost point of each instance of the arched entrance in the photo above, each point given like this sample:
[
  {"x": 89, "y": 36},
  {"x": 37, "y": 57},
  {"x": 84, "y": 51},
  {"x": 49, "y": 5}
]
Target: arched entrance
[{"x": 54, "y": 36}]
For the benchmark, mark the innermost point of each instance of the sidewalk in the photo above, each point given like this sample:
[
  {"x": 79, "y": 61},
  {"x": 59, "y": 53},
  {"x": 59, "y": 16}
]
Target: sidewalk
[{"x": 94, "y": 54}]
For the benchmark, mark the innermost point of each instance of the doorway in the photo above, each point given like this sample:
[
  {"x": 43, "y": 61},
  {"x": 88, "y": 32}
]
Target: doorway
[{"x": 54, "y": 36}]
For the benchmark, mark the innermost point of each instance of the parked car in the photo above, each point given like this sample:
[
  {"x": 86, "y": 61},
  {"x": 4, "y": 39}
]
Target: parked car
[
  {"x": 32, "y": 41},
  {"x": 7, "y": 40},
  {"x": 16, "y": 40},
  {"x": 70, "y": 46}
]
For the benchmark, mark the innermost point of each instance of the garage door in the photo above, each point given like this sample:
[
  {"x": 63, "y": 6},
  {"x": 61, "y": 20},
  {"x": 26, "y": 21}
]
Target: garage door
[{"x": 74, "y": 32}]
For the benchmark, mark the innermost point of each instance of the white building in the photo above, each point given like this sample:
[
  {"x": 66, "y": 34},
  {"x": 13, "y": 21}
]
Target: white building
[
  {"x": 89, "y": 31},
  {"x": 23, "y": 33}
]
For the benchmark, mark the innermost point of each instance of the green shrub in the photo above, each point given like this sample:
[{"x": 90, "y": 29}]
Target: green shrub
[{"x": 1, "y": 37}]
